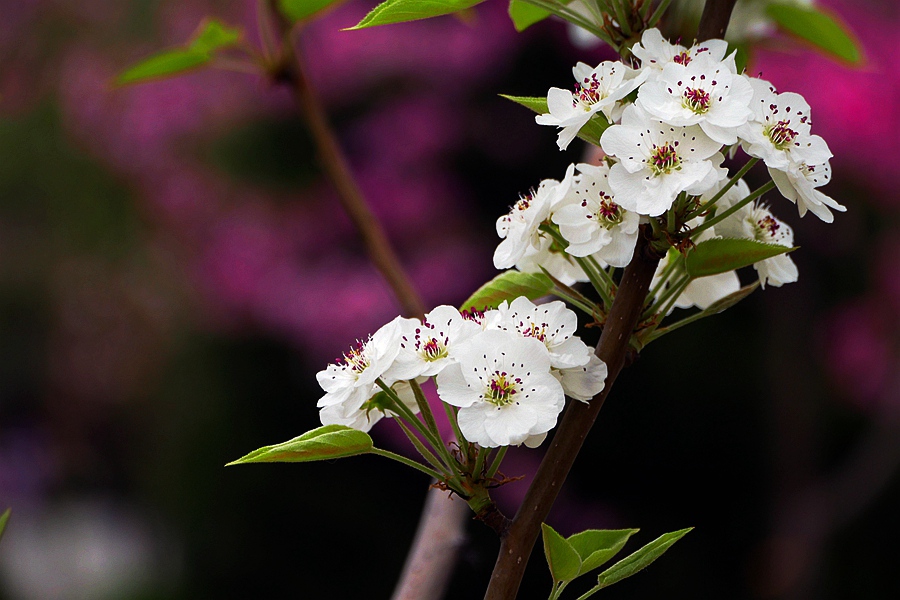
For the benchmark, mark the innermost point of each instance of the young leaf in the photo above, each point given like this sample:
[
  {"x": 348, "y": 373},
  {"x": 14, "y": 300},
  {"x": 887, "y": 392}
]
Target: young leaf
[
  {"x": 525, "y": 15},
  {"x": 720, "y": 255},
  {"x": 324, "y": 443},
  {"x": 817, "y": 27},
  {"x": 4, "y": 518},
  {"x": 597, "y": 546},
  {"x": 209, "y": 37},
  {"x": 508, "y": 285},
  {"x": 562, "y": 558},
  {"x": 213, "y": 35},
  {"x": 633, "y": 563},
  {"x": 400, "y": 11},
  {"x": 296, "y": 10},
  {"x": 591, "y": 131}
]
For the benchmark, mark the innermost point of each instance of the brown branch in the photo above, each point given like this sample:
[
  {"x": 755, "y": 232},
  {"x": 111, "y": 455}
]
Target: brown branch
[
  {"x": 714, "y": 21},
  {"x": 429, "y": 563},
  {"x": 291, "y": 72},
  {"x": 516, "y": 546},
  {"x": 441, "y": 529}
]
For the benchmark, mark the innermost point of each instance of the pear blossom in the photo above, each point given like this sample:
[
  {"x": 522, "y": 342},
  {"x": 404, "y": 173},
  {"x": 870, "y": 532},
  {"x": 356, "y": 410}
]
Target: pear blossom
[
  {"x": 503, "y": 388},
  {"x": 583, "y": 382},
  {"x": 351, "y": 382},
  {"x": 798, "y": 184},
  {"x": 550, "y": 256},
  {"x": 425, "y": 346},
  {"x": 520, "y": 228},
  {"x": 370, "y": 412},
  {"x": 572, "y": 362},
  {"x": 593, "y": 223},
  {"x": 552, "y": 324},
  {"x": 702, "y": 92},
  {"x": 657, "y": 162},
  {"x": 756, "y": 222},
  {"x": 779, "y": 131},
  {"x": 597, "y": 90},
  {"x": 655, "y": 52}
]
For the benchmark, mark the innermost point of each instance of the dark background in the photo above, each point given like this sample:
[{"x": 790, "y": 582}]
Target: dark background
[{"x": 174, "y": 271}]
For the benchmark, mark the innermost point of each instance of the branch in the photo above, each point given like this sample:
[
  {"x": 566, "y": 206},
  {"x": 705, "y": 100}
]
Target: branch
[
  {"x": 291, "y": 72},
  {"x": 516, "y": 546},
  {"x": 429, "y": 563},
  {"x": 431, "y": 559}
]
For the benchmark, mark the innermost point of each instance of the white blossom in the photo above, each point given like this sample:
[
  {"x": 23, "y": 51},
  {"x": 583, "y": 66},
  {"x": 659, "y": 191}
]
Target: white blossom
[
  {"x": 503, "y": 388},
  {"x": 593, "y": 223},
  {"x": 798, "y": 184},
  {"x": 655, "y": 52},
  {"x": 425, "y": 346},
  {"x": 703, "y": 92},
  {"x": 657, "y": 162},
  {"x": 756, "y": 222},
  {"x": 779, "y": 131},
  {"x": 548, "y": 255},
  {"x": 520, "y": 228},
  {"x": 597, "y": 90},
  {"x": 583, "y": 382},
  {"x": 552, "y": 324},
  {"x": 367, "y": 414},
  {"x": 351, "y": 382}
]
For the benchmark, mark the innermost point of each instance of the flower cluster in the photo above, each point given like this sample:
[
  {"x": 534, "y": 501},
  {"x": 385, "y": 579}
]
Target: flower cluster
[
  {"x": 667, "y": 126},
  {"x": 506, "y": 370}
]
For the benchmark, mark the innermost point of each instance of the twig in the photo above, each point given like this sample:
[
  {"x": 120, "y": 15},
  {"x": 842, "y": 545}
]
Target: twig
[
  {"x": 291, "y": 72},
  {"x": 441, "y": 530}
]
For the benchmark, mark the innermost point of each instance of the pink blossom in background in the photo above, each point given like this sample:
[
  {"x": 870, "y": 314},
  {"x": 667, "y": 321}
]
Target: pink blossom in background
[{"x": 858, "y": 111}]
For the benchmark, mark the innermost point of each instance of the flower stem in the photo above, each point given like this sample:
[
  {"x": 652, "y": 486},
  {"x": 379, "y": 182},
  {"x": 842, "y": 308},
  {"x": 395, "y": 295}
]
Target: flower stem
[
  {"x": 731, "y": 182},
  {"x": 737, "y": 206},
  {"x": 406, "y": 461},
  {"x": 495, "y": 464}
]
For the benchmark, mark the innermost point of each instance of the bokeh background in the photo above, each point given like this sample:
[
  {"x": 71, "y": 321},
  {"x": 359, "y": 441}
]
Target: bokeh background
[{"x": 174, "y": 270}]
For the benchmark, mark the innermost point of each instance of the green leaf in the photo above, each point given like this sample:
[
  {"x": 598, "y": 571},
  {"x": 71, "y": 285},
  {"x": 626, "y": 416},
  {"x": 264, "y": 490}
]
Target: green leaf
[
  {"x": 324, "y": 443},
  {"x": 525, "y": 15},
  {"x": 597, "y": 546},
  {"x": 818, "y": 28},
  {"x": 562, "y": 558},
  {"x": 508, "y": 285},
  {"x": 633, "y": 563},
  {"x": 720, "y": 255},
  {"x": 4, "y": 518},
  {"x": 297, "y": 10},
  {"x": 212, "y": 35},
  {"x": 400, "y": 11},
  {"x": 591, "y": 131},
  {"x": 209, "y": 37}
]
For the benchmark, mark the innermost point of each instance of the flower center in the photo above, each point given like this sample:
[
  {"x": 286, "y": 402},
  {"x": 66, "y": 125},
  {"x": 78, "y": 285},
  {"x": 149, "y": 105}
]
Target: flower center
[
  {"x": 502, "y": 389},
  {"x": 471, "y": 314},
  {"x": 538, "y": 332},
  {"x": 696, "y": 100},
  {"x": 588, "y": 93},
  {"x": 356, "y": 358},
  {"x": 768, "y": 226},
  {"x": 433, "y": 350},
  {"x": 780, "y": 134},
  {"x": 664, "y": 159},
  {"x": 683, "y": 58}
]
